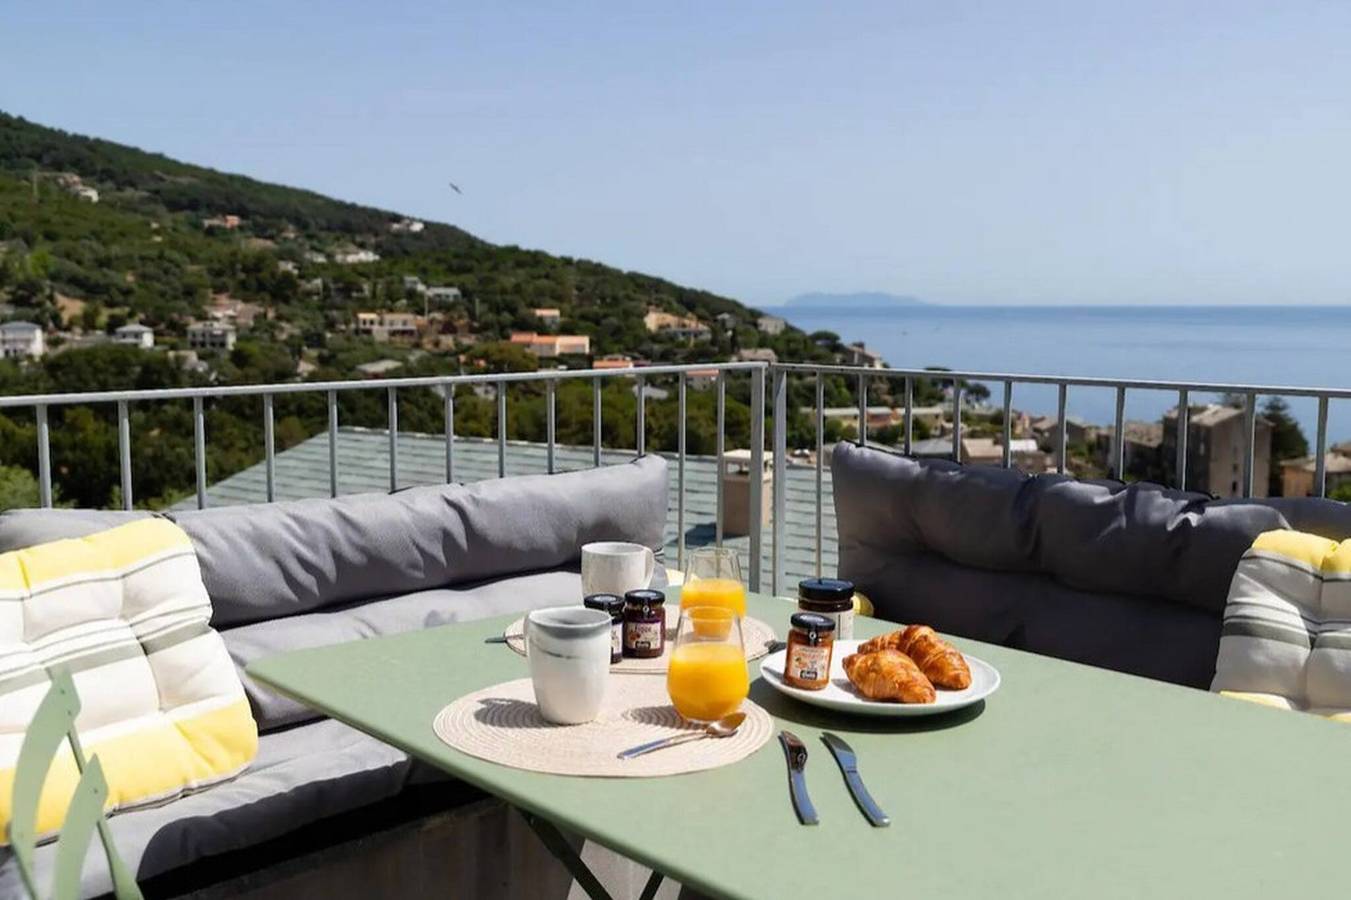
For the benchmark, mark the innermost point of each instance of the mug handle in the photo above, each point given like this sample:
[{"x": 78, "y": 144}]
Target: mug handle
[
  {"x": 525, "y": 634},
  {"x": 651, "y": 568}
]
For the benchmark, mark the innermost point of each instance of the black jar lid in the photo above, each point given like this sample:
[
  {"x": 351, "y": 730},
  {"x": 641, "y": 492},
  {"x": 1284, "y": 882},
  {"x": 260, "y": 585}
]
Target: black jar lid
[
  {"x": 830, "y": 590},
  {"x": 610, "y": 603},
  {"x": 645, "y": 596},
  {"x": 812, "y": 623}
]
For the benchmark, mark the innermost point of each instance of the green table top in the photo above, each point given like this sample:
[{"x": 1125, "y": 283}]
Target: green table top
[{"x": 1071, "y": 781}]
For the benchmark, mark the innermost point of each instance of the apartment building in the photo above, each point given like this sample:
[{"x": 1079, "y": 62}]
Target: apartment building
[
  {"x": 383, "y": 327},
  {"x": 211, "y": 336},
  {"x": 1215, "y": 450}
]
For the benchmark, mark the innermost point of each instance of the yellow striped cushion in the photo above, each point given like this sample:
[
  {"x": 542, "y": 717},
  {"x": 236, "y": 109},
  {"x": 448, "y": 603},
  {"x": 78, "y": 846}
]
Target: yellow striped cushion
[
  {"x": 1286, "y": 638},
  {"x": 126, "y": 612}
]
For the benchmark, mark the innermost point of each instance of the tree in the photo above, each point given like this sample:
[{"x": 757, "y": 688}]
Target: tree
[
  {"x": 18, "y": 488},
  {"x": 1287, "y": 439}
]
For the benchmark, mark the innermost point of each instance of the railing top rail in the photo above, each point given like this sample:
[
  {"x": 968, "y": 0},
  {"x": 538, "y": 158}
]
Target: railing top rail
[
  {"x": 1075, "y": 381},
  {"x": 306, "y": 387}
]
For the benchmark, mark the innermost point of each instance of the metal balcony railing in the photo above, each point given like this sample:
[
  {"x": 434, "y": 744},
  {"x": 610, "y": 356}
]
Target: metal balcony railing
[{"x": 780, "y": 375}]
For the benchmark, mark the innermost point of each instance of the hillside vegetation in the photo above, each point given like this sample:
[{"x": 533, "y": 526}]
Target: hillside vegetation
[{"x": 156, "y": 249}]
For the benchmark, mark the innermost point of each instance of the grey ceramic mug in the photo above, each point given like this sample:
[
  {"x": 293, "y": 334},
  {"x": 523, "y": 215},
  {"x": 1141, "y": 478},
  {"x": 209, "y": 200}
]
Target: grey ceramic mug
[{"x": 569, "y": 652}]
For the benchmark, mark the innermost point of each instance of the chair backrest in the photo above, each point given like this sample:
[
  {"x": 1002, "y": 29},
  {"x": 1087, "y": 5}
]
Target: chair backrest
[{"x": 53, "y": 723}]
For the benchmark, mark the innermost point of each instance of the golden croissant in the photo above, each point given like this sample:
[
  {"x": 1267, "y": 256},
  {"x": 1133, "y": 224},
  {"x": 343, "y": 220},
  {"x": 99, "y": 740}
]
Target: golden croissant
[
  {"x": 942, "y": 663},
  {"x": 888, "y": 675}
]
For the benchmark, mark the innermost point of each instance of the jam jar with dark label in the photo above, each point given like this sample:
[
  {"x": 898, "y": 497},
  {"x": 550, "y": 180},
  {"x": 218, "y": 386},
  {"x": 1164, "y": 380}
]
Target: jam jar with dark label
[
  {"x": 644, "y": 624},
  {"x": 614, "y": 605},
  {"x": 832, "y": 598}
]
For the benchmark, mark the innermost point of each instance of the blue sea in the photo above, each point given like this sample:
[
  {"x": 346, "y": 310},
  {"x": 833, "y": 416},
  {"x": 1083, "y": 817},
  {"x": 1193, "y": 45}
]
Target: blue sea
[{"x": 1287, "y": 345}]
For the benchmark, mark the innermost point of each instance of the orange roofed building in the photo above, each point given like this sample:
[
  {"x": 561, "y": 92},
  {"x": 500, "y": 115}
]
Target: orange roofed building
[{"x": 550, "y": 345}]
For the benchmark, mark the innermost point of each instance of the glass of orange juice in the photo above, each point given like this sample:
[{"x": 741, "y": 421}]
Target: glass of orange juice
[
  {"x": 706, "y": 676},
  {"x": 713, "y": 578}
]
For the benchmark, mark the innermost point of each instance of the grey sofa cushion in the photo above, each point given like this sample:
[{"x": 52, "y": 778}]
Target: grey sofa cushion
[
  {"x": 391, "y": 615},
  {"x": 21, "y": 528},
  {"x": 263, "y": 562},
  {"x": 1132, "y": 577},
  {"x": 300, "y": 776}
]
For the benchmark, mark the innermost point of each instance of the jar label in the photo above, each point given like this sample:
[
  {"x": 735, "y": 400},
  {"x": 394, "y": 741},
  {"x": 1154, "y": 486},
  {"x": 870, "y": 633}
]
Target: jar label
[
  {"x": 644, "y": 635},
  {"x": 616, "y": 639},
  {"x": 844, "y": 625},
  {"x": 806, "y": 663}
]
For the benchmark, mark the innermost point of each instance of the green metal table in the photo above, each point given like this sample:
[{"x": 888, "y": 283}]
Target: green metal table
[{"x": 1071, "y": 781}]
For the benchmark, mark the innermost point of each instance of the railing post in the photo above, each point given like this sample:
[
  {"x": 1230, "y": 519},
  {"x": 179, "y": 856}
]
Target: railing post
[
  {"x": 1008, "y": 424},
  {"x": 1183, "y": 430},
  {"x": 269, "y": 448},
  {"x": 862, "y": 410},
  {"x": 595, "y": 422},
  {"x": 448, "y": 414},
  {"x": 44, "y": 457},
  {"x": 909, "y": 413},
  {"x": 1320, "y": 479},
  {"x": 1249, "y": 441},
  {"x": 199, "y": 449},
  {"x": 124, "y": 451},
  {"x": 1062, "y": 445},
  {"x": 640, "y": 426},
  {"x": 393, "y": 440},
  {"x": 719, "y": 451},
  {"x": 1119, "y": 437},
  {"x": 501, "y": 429},
  {"x": 780, "y": 486},
  {"x": 549, "y": 422},
  {"x": 680, "y": 474},
  {"x": 757, "y": 467},
  {"x": 956, "y": 421},
  {"x": 333, "y": 443},
  {"x": 820, "y": 454}
]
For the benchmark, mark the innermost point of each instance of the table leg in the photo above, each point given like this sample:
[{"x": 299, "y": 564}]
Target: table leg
[
  {"x": 652, "y": 886},
  {"x": 563, "y": 852}
]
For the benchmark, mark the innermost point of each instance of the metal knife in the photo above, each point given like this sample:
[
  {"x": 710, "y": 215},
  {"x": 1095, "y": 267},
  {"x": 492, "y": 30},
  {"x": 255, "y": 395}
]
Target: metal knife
[
  {"x": 844, "y": 755},
  {"x": 796, "y": 753}
]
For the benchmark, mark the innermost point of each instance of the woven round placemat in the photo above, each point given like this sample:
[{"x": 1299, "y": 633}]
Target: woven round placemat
[
  {"x": 755, "y": 634},
  {"x": 502, "y": 724}
]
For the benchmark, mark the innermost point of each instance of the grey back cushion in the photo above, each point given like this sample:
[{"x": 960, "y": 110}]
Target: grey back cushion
[
  {"x": 1132, "y": 577},
  {"x": 278, "y": 559},
  {"x": 20, "y": 528}
]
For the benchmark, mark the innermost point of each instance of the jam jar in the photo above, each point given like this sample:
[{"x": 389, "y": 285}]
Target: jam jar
[
  {"x": 811, "y": 640},
  {"x": 830, "y": 597},
  {"x": 614, "y": 605},
  {"x": 644, "y": 624}
]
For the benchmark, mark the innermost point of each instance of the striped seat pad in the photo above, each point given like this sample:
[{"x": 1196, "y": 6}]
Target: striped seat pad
[
  {"x": 1286, "y": 638},
  {"x": 125, "y": 611}
]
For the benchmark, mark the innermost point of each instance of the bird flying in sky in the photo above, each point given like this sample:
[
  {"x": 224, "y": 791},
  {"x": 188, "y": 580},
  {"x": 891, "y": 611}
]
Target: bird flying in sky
[{"x": 456, "y": 188}]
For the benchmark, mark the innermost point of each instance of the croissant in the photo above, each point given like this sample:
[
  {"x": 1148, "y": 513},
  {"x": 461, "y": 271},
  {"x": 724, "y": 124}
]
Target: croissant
[
  {"x": 942, "y": 663},
  {"x": 888, "y": 675}
]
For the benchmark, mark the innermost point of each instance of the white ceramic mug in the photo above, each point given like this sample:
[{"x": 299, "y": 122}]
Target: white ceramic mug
[
  {"x": 616, "y": 567},
  {"x": 568, "y": 648}
]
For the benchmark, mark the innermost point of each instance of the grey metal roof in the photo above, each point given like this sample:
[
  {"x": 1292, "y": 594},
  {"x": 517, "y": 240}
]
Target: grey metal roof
[{"x": 363, "y": 467}]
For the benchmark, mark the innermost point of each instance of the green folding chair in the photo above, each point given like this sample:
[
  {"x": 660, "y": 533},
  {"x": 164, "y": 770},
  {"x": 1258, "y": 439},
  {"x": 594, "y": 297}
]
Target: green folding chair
[{"x": 54, "y": 722}]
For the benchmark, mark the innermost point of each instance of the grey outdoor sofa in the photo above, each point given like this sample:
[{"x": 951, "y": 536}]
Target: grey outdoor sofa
[
  {"x": 306, "y": 573},
  {"x": 1126, "y": 577}
]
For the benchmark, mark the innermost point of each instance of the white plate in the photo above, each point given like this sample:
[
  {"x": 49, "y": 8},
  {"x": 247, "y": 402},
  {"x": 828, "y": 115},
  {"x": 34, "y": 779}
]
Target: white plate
[{"x": 840, "y": 694}]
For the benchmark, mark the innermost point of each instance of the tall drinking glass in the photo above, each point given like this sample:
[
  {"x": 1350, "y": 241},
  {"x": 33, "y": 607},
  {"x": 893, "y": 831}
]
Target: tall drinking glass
[
  {"x": 713, "y": 578},
  {"x": 707, "y": 677}
]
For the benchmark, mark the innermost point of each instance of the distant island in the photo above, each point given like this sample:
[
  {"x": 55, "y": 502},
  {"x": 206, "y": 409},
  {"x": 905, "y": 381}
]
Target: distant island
[{"x": 858, "y": 300}]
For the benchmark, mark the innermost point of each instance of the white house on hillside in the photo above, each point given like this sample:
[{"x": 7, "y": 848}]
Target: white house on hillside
[
  {"x": 19, "y": 340},
  {"x": 135, "y": 334}
]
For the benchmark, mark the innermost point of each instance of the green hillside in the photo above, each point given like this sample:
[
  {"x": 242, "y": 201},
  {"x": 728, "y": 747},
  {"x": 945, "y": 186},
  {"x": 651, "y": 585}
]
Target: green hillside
[{"x": 156, "y": 248}]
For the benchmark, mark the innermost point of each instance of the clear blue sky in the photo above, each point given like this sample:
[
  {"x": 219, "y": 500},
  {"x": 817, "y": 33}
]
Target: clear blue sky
[{"x": 1131, "y": 152}]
